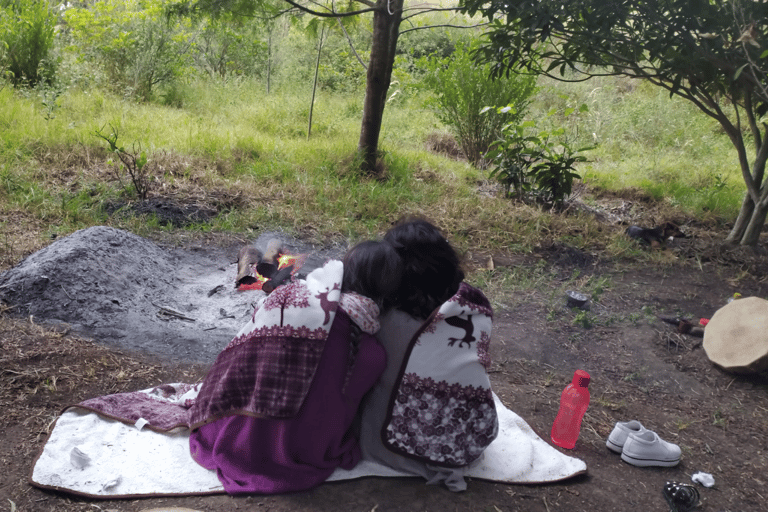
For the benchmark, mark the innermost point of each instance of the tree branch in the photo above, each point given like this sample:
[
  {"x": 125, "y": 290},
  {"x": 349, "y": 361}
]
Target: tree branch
[
  {"x": 422, "y": 9},
  {"x": 351, "y": 45},
  {"x": 333, "y": 13},
  {"x": 441, "y": 26}
]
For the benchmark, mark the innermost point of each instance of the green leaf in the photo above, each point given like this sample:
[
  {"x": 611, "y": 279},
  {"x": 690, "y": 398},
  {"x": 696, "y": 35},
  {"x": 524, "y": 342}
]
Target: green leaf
[
  {"x": 738, "y": 71},
  {"x": 142, "y": 160}
]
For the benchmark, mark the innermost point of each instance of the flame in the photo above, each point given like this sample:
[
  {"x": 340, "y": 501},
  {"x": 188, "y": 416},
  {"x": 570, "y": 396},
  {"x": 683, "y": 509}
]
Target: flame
[{"x": 284, "y": 260}]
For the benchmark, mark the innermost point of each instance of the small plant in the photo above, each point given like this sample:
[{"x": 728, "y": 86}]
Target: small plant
[
  {"x": 634, "y": 375},
  {"x": 634, "y": 318},
  {"x": 50, "y": 384},
  {"x": 600, "y": 285},
  {"x": 538, "y": 167},
  {"x": 719, "y": 419},
  {"x": 609, "y": 404},
  {"x": 461, "y": 89},
  {"x": 583, "y": 319},
  {"x": 50, "y": 101},
  {"x": 134, "y": 162}
]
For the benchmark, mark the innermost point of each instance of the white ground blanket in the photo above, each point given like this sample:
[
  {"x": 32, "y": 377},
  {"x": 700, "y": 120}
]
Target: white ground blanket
[{"x": 91, "y": 455}]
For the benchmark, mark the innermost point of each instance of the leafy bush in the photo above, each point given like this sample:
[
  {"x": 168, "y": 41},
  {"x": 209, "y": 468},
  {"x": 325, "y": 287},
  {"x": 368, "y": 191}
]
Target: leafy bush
[
  {"x": 344, "y": 54},
  {"x": 135, "y": 43},
  {"x": 341, "y": 71},
  {"x": 462, "y": 89},
  {"x": 26, "y": 38},
  {"x": 432, "y": 33},
  {"x": 416, "y": 45},
  {"x": 539, "y": 166},
  {"x": 227, "y": 48}
]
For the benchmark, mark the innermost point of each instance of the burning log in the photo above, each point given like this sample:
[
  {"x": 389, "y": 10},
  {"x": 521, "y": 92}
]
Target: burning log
[
  {"x": 268, "y": 265},
  {"x": 266, "y": 271},
  {"x": 282, "y": 276},
  {"x": 246, "y": 258}
]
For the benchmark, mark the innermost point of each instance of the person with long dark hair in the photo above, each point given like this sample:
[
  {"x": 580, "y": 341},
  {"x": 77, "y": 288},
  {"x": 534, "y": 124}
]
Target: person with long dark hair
[
  {"x": 431, "y": 413},
  {"x": 276, "y": 410}
]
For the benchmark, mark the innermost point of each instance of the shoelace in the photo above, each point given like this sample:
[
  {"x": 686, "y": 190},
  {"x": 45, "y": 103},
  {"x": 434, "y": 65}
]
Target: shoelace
[{"x": 681, "y": 497}]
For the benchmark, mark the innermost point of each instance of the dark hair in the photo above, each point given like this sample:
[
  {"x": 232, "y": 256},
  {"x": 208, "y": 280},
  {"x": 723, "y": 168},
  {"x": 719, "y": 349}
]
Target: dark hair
[
  {"x": 431, "y": 268},
  {"x": 373, "y": 269}
]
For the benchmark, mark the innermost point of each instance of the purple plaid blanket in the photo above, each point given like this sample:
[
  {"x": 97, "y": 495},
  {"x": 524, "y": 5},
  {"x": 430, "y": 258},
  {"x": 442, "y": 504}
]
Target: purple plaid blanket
[{"x": 267, "y": 369}]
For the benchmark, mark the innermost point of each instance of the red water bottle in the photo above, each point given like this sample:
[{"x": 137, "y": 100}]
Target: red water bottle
[{"x": 573, "y": 404}]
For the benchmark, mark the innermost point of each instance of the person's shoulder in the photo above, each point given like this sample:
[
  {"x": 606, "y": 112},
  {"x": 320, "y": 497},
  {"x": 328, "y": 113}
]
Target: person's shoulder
[
  {"x": 471, "y": 294},
  {"x": 400, "y": 318}
]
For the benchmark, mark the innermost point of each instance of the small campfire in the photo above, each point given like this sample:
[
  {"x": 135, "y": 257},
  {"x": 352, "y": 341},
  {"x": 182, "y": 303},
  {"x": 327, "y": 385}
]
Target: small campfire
[{"x": 268, "y": 270}]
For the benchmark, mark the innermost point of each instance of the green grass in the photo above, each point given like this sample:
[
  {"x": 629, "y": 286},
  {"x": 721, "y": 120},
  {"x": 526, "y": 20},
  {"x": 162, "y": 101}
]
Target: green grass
[
  {"x": 246, "y": 153},
  {"x": 650, "y": 142},
  {"x": 231, "y": 137}
]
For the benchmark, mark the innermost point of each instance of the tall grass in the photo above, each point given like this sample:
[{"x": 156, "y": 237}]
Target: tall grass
[
  {"x": 233, "y": 136},
  {"x": 247, "y": 154},
  {"x": 648, "y": 141}
]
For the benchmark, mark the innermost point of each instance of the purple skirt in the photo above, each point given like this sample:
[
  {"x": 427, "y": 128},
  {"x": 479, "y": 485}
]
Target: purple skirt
[{"x": 269, "y": 456}]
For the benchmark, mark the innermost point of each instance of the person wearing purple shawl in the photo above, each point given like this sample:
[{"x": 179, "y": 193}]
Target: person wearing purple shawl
[
  {"x": 431, "y": 414},
  {"x": 275, "y": 412}
]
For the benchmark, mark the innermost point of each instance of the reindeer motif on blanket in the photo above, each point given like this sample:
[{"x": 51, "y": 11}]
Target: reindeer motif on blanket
[
  {"x": 325, "y": 304},
  {"x": 465, "y": 324}
]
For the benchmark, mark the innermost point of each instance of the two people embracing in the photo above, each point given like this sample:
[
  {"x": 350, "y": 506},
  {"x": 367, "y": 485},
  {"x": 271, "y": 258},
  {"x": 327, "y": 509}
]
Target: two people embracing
[{"x": 382, "y": 356}]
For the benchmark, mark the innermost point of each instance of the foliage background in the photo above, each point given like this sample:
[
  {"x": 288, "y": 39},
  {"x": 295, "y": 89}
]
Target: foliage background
[{"x": 224, "y": 141}]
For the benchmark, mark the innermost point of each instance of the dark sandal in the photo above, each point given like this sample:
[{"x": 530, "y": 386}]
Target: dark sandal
[{"x": 681, "y": 497}]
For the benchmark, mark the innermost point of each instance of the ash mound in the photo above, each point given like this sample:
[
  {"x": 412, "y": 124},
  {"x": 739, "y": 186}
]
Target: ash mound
[
  {"x": 125, "y": 291},
  {"x": 128, "y": 292}
]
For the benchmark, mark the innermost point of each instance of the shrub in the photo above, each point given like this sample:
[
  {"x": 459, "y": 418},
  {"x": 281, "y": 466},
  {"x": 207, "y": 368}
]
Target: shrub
[
  {"x": 133, "y": 162},
  {"x": 430, "y": 34},
  {"x": 225, "y": 48},
  {"x": 134, "y": 42},
  {"x": 538, "y": 166},
  {"x": 462, "y": 89},
  {"x": 26, "y": 38}
]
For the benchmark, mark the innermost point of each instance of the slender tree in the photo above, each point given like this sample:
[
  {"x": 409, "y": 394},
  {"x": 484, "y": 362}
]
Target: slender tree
[
  {"x": 713, "y": 53},
  {"x": 387, "y": 18}
]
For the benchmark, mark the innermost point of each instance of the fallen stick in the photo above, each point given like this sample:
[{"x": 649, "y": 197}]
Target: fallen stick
[{"x": 162, "y": 310}]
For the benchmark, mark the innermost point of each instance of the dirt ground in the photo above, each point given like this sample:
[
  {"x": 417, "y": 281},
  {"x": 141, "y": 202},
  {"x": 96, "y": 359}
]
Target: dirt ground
[{"x": 641, "y": 369}]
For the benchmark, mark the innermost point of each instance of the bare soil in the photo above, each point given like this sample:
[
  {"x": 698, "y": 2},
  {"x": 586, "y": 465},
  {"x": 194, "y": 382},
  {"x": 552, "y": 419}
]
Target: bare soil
[{"x": 641, "y": 369}]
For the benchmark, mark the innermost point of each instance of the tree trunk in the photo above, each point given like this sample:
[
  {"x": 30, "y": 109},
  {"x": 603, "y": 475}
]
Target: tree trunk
[
  {"x": 746, "y": 230},
  {"x": 752, "y": 233},
  {"x": 386, "y": 28},
  {"x": 314, "y": 84},
  {"x": 740, "y": 226},
  {"x": 269, "y": 58}
]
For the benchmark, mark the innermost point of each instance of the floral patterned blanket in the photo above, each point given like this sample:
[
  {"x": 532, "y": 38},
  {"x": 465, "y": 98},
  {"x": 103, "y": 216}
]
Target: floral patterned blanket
[
  {"x": 442, "y": 411},
  {"x": 266, "y": 370}
]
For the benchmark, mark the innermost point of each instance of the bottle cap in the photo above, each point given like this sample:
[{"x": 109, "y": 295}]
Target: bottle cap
[{"x": 581, "y": 378}]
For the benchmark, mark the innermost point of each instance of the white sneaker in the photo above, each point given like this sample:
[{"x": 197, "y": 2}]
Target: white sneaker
[
  {"x": 648, "y": 449},
  {"x": 620, "y": 433}
]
